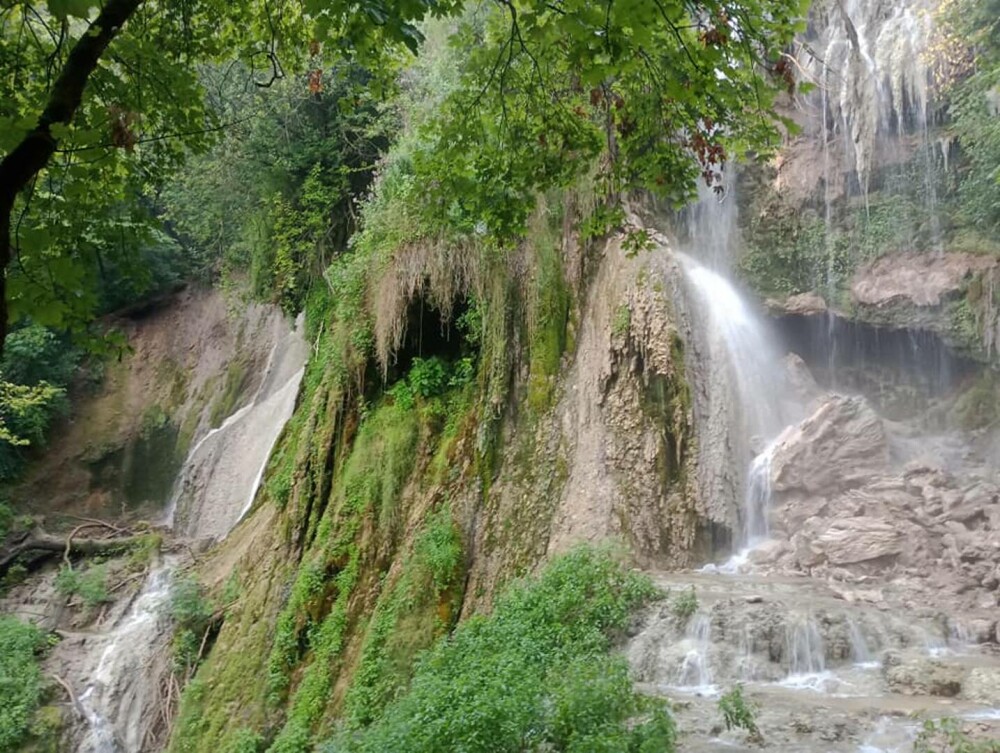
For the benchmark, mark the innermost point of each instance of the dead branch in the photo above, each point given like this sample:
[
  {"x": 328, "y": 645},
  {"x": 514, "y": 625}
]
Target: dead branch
[{"x": 46, "y": 544}]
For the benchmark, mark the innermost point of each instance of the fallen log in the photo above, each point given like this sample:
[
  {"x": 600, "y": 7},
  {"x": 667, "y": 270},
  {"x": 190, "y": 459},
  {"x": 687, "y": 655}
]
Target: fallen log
[{"x": 44, "y": 544}]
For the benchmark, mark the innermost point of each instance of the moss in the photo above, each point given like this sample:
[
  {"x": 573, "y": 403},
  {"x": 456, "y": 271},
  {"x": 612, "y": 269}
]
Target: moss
[{"x": 622, "y": 321}]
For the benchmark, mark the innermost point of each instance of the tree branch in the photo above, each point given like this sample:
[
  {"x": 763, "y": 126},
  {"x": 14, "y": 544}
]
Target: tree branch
[{"x": 35, "y": 150}]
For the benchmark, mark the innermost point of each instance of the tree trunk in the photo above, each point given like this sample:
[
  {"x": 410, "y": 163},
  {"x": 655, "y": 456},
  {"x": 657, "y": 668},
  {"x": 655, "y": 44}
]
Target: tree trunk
[
  {"x": 35, "y": 150},
  {"x": 48, "y": 545}
]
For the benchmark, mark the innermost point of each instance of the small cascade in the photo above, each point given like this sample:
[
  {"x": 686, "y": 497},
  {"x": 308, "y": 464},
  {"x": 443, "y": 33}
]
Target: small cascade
[
  {"x": 125, "y": 683},
  {"x": 872, "y": 74},
  {"x": 860, "y": 652},
  {"x": 695, "y": 672},
  {"x": 758, "y": 498},
  {"x": 223, "y": 470},
  {"x": 804, "y": 648},
  {"x": 960, "y": 636}
]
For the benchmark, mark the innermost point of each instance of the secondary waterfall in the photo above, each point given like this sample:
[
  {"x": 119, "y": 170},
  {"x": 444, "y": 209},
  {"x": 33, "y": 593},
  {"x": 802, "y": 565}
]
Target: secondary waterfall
[{"x": 214, "y": 490}]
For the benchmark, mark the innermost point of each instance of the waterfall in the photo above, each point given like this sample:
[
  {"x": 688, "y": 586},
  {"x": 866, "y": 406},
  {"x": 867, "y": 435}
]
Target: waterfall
[
  {"x": 748, "y": 400},
  {"x": 804, "y": 652},
  {"x": 214, "y": 490},
  {"x": 220, "y": 476}
]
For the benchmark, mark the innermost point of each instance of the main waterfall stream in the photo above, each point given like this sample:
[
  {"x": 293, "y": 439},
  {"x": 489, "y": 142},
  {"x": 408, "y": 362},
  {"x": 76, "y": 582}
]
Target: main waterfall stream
[{"x": 124, "y": 667}]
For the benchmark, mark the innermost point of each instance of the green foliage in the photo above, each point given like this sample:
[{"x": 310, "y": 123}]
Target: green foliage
[
  {"x": 6, "y": 519},
  {"x": 20, "y": 679},
  {"x": 739, "y": 713},
  {"x": 685, "y": 604},
  {"x": 244, "y": 741},
  {"x": 36, "y": 367},
  {"x": 948, "y": 736},
  {"x": 84, "y": 219},
  {"x": 974, "y": 107},
  {"x": 371, "y": 481},
  {"x": 89, "y": 583},
  {"x": 545, "y": 89},
  {"x": 192, "y": 614},
  {"x": 430, "y": 378},
  {"x": 276, "y": 223},
  {"x": 438, "y": 549},
  {"x": 622, "y": 321},
  {"x": 535, "y": 673},
  {"x": 409, "y": 615}
]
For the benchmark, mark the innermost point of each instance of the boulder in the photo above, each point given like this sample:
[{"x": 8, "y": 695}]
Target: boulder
[
  {"x": 802, "y": 304},
  {"x": 922, "y": 676},
  {"x": 849, "y": 541},
  {"x": 840, "y": 446},
  {"x": 800, "y": 379},
  {"x": 983, "y": 686},
  {"x": 915, "y": 279}
]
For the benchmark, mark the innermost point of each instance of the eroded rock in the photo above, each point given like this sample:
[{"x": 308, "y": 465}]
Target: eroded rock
[
  {"x": 915, "y": 279},
  {"x": 842, "y": 445}
]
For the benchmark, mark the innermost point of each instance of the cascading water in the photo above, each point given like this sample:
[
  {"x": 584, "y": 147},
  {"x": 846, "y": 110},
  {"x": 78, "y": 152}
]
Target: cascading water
[
  {"x": 214, "y": 490},
  {"x": 223, "y": 469},
  {"x": 695, "y": 671},
  {"x": 749, "y": 399}
]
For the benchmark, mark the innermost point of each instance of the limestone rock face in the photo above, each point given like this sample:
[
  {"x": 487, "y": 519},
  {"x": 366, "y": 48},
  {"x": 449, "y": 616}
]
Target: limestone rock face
[
  {"x": 915, "y": 279},
  {"x": 922, "y": 676},
  {"x": 860, "y": 539},
  {"x": 803, "y": 304},
  {"x": 839, "y": 447}
]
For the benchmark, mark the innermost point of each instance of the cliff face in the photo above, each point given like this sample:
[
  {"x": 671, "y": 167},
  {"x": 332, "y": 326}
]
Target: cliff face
[
  {"x": 189, "y": 362},
  {"x": 386, "y": 515}
]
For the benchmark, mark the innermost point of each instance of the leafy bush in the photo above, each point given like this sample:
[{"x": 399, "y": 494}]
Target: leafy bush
[
  {"x": 89, "y": 583},
  {"x": 192, "y": 614},
  {"x": 20, "y": 679},
  {"x": 439, "y": 549},
  {"x": 535, "y": 674},
  {"x": 686, "y": 604},
  {"x": 739, "y": 713},
  {"x": 243, "y": 741},
  {"x": 429, "y": 378}
]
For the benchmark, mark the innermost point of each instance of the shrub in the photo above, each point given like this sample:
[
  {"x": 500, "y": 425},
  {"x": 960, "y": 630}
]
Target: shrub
[
  {"x": 535, "y": 674},
  {"x": 90, "y": 584},
  {"x": 739, "y": 713},
  {"x": 686, "y": 604},
  {"x": 20, "y": 679},
  {"x": 192, "y": 614},
  {"x": 948, "y": 736}
]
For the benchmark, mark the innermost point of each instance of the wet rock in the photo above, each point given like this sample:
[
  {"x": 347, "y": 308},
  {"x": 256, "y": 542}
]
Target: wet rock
[
  {"x": 922, "y": 676},
  {"x": 854, "y": 540},
  {"x": 983, "y": 686},
  {"x": 800, "y": 378},
  {"x": 802, "y": 304},
  {"x": 841, "y": 446},
  {"x": 768, "y": 551}
]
